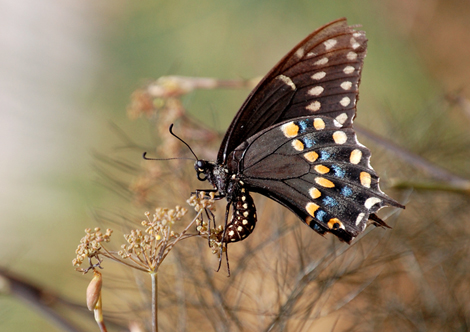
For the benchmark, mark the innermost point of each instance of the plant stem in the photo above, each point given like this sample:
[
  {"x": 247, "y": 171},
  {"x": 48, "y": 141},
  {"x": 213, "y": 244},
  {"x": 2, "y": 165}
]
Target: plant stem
[{"x": 154, "y": 277}]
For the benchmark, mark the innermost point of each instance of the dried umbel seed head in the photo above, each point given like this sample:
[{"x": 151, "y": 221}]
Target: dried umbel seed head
[
  {"x": 202, "y": 201},
  {"x": 90, "y": 244},
  {"x": 93, "y": 292}
]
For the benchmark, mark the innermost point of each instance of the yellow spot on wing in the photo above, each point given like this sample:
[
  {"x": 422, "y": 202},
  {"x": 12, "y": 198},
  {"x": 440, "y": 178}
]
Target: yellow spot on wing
[
  {"x": 311, "y": 156},
  {"x": 340, "y": 137},
  {"x": 311, "y": 208},
  {"x": 319, "y": 124},
  {"x": 321, "y": 169},
  {"x": 355, "y": 156},
  {"x": 308, "y": 220},
  {"x": 314, "y": 193},
  {"x": 298, "y": 145},
  {"x": 290, "y": 129},
  {"x": 324, "y": 182},
  {"x": 365, "y": 179},
  {"x": 335, "y": 223}
]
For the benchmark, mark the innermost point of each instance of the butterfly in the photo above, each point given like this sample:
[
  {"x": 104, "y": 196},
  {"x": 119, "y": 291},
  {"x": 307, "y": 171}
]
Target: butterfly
[{"x": 292, "y": 141}]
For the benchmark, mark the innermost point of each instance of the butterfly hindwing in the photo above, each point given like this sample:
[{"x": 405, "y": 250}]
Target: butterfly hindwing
[
  {"x": 319, "y": 76},
  {"x": 315, "y": 167}
]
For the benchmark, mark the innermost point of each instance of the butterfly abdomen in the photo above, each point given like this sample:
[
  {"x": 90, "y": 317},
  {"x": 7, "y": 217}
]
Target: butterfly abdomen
[{"x": 243, "y": 220}]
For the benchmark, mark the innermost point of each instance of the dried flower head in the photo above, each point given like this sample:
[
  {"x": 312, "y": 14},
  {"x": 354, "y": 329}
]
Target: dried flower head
[
  {"x": 90, "y": 246},
  {"x": 201, "y": 201},
  {"x": 141, "y": 103},
  {"x": 214, "y": 235},
  {"x": 146, "y": 249},
  {"x": 205, "y": 203}
]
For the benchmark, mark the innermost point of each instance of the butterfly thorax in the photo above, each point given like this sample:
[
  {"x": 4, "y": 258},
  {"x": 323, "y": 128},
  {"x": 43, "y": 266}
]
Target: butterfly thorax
[{"x": 217, "y": 175}]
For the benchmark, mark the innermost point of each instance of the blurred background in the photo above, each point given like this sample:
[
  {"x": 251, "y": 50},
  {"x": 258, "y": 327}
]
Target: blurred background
[{"x": 68, "y": 70}]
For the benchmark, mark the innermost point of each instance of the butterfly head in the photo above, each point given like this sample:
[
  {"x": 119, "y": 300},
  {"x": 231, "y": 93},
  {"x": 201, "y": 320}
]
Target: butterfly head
[
  {"x": 216, "y": 174},
  {"x": 204, "y": 169}
]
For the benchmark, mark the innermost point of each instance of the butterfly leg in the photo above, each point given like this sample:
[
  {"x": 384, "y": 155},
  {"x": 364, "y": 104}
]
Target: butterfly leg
[
  {"x": 224, "y": 243},
  {"x": 210, "y": 217},
  {"x": 216, "y": 197}
]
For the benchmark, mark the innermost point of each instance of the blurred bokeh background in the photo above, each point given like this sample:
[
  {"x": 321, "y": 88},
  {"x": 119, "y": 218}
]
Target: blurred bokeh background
[{"x": 68, "y": 69}]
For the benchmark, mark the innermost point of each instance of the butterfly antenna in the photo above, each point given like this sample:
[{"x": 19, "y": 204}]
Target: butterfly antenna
[
  {"x": 171, "y": 132},
  {"x": 147, "y": 158}
]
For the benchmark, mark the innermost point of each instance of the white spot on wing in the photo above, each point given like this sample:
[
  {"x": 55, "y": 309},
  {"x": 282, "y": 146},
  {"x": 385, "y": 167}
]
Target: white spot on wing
[
  {"x": 319, "y": 75},
  {"x": 348, "y": 70},
  {"x": 322, "y": 61},
  {"x": 346, "y": 85},
  {"x": 351, "y": 56},
  {"x": 345, "y": 101},
  {"x": 315, "y": 106},
  {"x": 330, "y": 43},
  {"x": 371, "y": 201},
  {"x": 359, "y": 218},
  {"x": 287, "y": 81},
  {"x": 300, "y": 52},
  {"x": 342, "y": 118},
  {"x": 354, "y": 43},
  {"x": 315, "y": 91}
]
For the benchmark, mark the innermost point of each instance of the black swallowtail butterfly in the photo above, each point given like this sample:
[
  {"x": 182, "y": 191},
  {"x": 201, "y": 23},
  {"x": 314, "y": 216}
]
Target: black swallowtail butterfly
[{"x": 292, "y": 141}]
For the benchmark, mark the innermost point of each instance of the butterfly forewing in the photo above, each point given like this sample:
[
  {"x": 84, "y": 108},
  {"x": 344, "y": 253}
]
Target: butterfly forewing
[{"x": 319, "y": 76}]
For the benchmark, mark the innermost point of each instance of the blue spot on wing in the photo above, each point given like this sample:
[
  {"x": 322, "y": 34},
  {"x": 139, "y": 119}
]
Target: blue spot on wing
[
  {"x": 329, "y": 201},
  {"x": 303, "y": 126},
  {"x": 315, "y": 226},
  {"x": 339, "y": 172},
  {"x": 346, "y": 191},
  {"x": 309, "y": 142},
  {"x": 324, "y": 155},
  {"x": 320, "y": 214}
]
